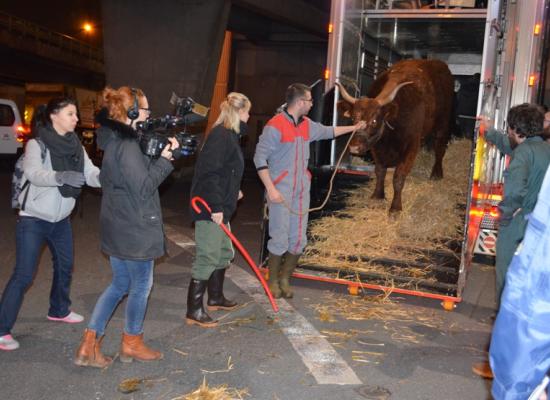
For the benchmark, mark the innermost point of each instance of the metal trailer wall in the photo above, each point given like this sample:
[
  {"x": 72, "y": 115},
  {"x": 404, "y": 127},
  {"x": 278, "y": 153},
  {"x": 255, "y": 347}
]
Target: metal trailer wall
[{"x": 164, "y": 46}]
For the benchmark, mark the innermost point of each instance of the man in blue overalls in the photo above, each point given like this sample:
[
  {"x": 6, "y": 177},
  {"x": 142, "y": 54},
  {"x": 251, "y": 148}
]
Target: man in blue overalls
[
  {"x": 520, "y": 344},
  {"x": 281, "y": 159}
]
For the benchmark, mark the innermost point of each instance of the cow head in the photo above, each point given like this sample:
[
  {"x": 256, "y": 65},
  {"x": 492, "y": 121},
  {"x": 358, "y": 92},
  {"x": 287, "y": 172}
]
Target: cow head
[{"x": 377, "y": 112}]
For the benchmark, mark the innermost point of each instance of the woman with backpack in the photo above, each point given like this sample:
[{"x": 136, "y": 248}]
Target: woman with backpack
[
  {"x": 131, "y": 225},
  {"x": 56, "y": 166}
]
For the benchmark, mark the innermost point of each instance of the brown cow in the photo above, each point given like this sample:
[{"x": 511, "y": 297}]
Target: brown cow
[{"x": 406, "y": 104}]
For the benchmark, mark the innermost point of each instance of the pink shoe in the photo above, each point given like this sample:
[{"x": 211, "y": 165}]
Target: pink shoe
[
  {"x": 72, "y": 318},
  {"x": 7, "y": 342}
]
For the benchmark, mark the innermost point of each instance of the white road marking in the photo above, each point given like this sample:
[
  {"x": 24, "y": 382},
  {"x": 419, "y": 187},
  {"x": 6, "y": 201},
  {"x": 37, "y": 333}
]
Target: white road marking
[{"x": 324, "y": 363}]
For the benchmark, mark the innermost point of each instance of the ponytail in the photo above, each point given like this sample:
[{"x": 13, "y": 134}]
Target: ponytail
[{"x": 230, "y": 107}]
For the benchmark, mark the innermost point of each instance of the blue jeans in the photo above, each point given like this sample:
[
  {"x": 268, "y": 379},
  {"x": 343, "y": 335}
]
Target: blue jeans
[
  {"x": 132, "y": 278},
  {"x": 31, "y": 234}
]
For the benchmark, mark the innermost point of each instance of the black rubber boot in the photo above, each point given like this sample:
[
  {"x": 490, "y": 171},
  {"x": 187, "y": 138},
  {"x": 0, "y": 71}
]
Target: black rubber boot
[
  {"x": 274, "y": 265},
  {"x": 196, "y": 315},
  {"x": 290, "y": 262},
  {"x": 216, "y": 299}
]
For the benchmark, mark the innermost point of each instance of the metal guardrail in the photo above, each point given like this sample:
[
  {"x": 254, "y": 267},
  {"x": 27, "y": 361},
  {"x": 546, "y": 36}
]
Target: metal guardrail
[{"x": 43, "y": 35}]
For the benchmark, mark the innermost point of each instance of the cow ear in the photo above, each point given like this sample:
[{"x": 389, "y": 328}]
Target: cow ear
[{"x": 344, "y": 108}]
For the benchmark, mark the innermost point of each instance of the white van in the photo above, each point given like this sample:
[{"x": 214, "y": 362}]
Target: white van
[{"x": 10, "y": 128}]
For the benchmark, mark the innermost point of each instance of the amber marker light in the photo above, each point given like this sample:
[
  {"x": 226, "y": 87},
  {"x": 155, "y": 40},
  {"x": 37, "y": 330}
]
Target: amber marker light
[
  {"x": 532, "y": 80},
  {"x": 537, "y": 29},
  {"x": 330, "y": 28},
  {"x": 327, "y": 74}
]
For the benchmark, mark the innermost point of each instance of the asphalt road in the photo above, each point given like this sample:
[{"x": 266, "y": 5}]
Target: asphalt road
[{"x": 403, "y": 348}]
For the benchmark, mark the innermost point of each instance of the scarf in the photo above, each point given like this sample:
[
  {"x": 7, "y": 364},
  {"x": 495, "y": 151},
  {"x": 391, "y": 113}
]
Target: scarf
[{"x": 66, "y": 154}]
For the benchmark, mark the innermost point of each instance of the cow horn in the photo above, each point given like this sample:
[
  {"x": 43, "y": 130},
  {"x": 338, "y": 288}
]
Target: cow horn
[
  {"x": 389, "y": 98},
  {"x": 345, "y": 95}
]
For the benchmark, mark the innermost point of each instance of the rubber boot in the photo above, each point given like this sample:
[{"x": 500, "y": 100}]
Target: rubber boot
[
  {"x": 89, "y": 352},
  {"x": 196, "y": 315},
  {"x": 216, "y": 299},
  {"x": 290, "y": 262},
  {"x": 274, "y": 265},
  {"x": 133, "y": 348}
]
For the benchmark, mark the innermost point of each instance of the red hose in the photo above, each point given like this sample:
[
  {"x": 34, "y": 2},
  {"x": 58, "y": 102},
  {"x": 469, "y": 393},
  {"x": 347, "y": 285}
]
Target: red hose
[{"x": 243, "y": 251}]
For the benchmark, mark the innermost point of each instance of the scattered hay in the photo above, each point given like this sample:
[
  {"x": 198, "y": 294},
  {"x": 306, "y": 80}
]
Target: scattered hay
[
  {"x": 204, "y": 392},
  {"x": 132, "y": 385},
  {"x": 183, "y": 353},
  {"x": 432, "y": 217},
  {"x": 230, "y": 366},
  {"x": 394, "y": 317}
]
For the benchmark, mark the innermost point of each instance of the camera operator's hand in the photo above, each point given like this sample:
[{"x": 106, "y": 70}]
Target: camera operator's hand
[
  {"x": 72, "y": 178},
  {"x": 241, "y": 195},
  {"x": 217, "y": 218},
  {"x": 169, "y": 149}
]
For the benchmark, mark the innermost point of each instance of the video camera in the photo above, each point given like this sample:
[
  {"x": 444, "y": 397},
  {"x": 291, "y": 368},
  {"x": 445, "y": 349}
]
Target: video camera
[{"x": 154, "y": 133}]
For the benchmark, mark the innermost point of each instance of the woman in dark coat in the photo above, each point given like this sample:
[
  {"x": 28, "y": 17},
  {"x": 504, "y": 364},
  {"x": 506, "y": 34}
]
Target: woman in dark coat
[
  {"x": 131, "y": 225},
  {"x": 218, "y": 173}
]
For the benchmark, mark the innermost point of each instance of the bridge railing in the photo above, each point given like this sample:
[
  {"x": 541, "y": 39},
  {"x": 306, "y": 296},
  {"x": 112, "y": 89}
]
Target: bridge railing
[{"x": 45, "y": 36}]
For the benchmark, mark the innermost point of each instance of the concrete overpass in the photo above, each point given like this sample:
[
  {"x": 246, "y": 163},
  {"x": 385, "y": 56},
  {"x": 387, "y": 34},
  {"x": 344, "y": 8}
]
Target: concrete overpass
[{"x": 32, "y": 53}]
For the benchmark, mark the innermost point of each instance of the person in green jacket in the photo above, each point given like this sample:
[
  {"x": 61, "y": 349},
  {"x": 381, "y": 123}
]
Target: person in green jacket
[{"x": 529, "y": 159}]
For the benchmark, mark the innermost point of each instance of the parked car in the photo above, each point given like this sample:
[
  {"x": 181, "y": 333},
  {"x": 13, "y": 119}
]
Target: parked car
[{"x": 13, "y": 133}]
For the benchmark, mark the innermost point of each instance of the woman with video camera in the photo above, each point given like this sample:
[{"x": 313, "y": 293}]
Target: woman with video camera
[
  {"x": 131, "y": 225},
  {"x": 217, "y": 179}
]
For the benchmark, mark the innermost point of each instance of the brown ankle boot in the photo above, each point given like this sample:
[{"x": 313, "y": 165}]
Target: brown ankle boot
[
  {"x": 133, "y": 348},
  {"x": 89, "y": 352},
  {"x": 483, "y": 369}
]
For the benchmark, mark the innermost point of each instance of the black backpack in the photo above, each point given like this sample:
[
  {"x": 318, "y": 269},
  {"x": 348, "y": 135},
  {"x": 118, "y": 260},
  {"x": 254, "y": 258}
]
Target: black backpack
[{"x": 18, "y": 181}]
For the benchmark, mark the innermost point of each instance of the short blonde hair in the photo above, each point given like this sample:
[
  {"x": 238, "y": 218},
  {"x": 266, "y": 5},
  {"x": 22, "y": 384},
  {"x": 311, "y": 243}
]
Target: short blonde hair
[
  {"x": 230, "y": 107},
  {"x": 118, "y": 101}
]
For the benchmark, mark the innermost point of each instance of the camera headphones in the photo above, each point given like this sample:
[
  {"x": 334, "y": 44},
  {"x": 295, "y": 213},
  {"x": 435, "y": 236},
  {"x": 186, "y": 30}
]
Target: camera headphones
[{"x": 133, "y": 111}]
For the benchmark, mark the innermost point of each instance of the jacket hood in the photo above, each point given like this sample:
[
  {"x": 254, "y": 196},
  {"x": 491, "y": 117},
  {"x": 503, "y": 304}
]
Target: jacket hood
[{"x": 111, "y": 129}]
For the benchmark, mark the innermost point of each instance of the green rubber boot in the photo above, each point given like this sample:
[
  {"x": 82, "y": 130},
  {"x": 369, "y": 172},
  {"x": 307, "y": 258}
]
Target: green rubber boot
[
  {"x": 289, "y": 264},
  {"x": 274, "y": 265}
]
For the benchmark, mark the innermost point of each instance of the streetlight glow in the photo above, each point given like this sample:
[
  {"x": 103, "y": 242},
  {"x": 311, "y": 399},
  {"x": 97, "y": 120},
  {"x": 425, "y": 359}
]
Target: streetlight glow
[{"x": 87, "y": 27}]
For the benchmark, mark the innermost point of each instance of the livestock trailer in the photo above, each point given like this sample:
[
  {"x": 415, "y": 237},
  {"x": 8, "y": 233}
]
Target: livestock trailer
[{"x": 497, "y": 50}]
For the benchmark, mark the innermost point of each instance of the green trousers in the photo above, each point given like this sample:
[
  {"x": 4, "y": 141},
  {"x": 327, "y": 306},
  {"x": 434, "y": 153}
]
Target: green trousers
[
  {"x": 509, "y": 237},
  {"x": 213, "y": 250}
]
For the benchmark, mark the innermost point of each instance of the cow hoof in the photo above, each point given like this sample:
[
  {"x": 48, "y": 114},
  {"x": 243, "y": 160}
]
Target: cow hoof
[
  {"x": 436, "y": 175},
  {"x": 394, "y": 213}
]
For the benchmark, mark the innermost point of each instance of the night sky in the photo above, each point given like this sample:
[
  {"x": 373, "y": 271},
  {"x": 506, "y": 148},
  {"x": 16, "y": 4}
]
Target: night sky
[
  {"x": 68, "y": 16},
  {"x": 63, "y": 16}
]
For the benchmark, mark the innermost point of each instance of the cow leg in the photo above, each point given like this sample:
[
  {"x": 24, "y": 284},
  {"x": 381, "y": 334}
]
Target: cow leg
[
  {"x": 380, "y": 173},
  {"x": 440, "y": 146},
  {"x": 399, "y": 176},
  {"x": 398, "y": 183}
]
